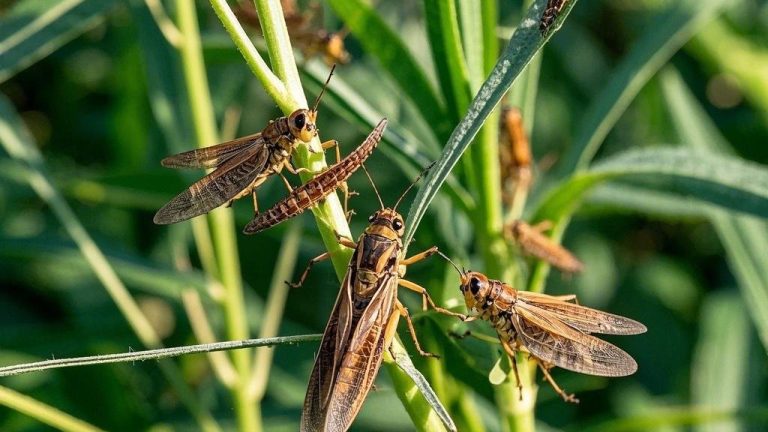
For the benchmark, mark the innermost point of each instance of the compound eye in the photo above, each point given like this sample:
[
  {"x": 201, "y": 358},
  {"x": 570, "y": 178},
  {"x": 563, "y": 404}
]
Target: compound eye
[
  {"x": 397, "y": 224},
  {"x": 371, "y": 218},
  {"x": 300, "y": 121},
  {"x": 475, "y": 285}
]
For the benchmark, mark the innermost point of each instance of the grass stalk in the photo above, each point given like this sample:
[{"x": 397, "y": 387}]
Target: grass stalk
[
  {"x": 221, "y": 220},
  {"x": 273, "y": 311},
  {"x": 18, "y": 143},
  {"x": 43, "y": 412}
]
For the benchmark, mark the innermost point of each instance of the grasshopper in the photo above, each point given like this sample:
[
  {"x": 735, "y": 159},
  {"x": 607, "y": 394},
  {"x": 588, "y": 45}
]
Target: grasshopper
[
  {"x": 240, "y": 165},
  {"x": 363, "y": 322},
  {"x": 318, "y": 188},
  {"x": 532, "y": 241},
  {"x": 555, "y": 331},
  {"x": 304, "y": 28}
]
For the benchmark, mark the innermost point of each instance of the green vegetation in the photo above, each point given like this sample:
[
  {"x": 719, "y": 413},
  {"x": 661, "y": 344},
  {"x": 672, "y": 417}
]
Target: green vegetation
[{"x": 645, "y": 120}]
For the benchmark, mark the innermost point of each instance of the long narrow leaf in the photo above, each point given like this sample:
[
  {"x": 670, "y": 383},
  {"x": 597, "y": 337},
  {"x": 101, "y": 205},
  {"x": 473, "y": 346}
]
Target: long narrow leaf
[
  {"x": 745, "y": 239},
  {"x": 28, "y": 34},
  {"x": 732, "y": 183},
  {"x": 663, "y": 37},
  {"x": 524, "y": 44},
  {"x": 382, "y": 42}
]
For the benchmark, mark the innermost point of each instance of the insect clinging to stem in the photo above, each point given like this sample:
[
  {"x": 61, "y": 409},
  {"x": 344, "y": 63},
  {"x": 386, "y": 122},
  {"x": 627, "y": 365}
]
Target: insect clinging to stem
[
  {"x": 311, "y": 192},
  {"x": 363, "y": 322},
  {"x": 552, "y": 329},
  {"x": 240, "y": 165}
]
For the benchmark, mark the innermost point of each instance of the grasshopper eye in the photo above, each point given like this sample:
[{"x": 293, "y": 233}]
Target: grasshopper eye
[
  {"x": 475, "y": 285},
  {"x": 397, "y": 224},
  {"x": 300, "y": 121},
  {"x": 371, "y": 218}
]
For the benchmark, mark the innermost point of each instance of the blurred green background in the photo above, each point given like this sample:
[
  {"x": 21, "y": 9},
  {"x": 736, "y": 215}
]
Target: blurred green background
[{"x": 104, "y": 102}]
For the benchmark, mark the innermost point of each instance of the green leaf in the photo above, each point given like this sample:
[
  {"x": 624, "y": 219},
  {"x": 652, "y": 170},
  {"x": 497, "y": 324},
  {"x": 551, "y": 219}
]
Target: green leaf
[
  {"x": 423, "y": 417},
  {"x": 745, "y": 239},
  {"x": 33, "y": 30},
  {"x": 663, "y": 37},
  {"x": 731, "y": 183},
  {"x": 401, "y": 145},
  {"x": 379, "y": 40},
  {"x": 448, "y": 54},
  {"x": 524, "y": 44},
  {"x": 724, "y": 339}
]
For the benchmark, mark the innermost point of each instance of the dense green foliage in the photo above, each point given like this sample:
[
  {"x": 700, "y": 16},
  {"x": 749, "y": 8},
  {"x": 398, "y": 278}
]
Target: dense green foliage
[{"x": 646, "y": 120}]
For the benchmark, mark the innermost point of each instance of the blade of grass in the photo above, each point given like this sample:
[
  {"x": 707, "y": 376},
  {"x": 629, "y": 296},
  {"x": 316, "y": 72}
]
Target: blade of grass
[
  {"x": 380, "y": 41},
  {"x": 278, "y": 293},
  {"x": 401, "y": 146},
  {"x": 724, "y": 338},
  {"x": 221, "y": 220},
  {"x": 33, "y": 30},
  {"x": 42, "y": 412},
  {"x": 423, "y": 406},
  {"x": 155, "y": 354},
  {"x": 446, "y": 42},
  {"x": 134, "y": 270},
  {"x": 663, "y": 37},
  {"x": 19, "y": 145},
  {"x": 678, "y": 416},
  {"x": 524, "y": 44},
  {"x": 730, "y": 183},
  {"x": 745, "y": 239}
]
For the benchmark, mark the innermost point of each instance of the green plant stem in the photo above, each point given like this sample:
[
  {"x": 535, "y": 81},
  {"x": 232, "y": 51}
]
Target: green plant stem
[
  {"x": 273, "y": 311},
  {"x": 20, "y": 146},
  {"x": 221, "y": 220},
  {"x": 271, "y": 83},
  {"x": 43, "y": 412}
]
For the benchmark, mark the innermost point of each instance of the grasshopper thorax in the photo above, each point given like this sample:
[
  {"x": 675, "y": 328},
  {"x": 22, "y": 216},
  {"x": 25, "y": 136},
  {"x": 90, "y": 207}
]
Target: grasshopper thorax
[{"x": 301, "y": 124}]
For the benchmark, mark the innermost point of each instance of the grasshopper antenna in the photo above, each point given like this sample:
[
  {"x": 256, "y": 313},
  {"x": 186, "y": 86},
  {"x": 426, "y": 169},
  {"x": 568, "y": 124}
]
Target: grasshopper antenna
[
  {"x": 461, "y": 272},
  {"x": 320, "y": 96},
  {"x": 367, "y": 174},
  {"x": 424, "y": 171}
]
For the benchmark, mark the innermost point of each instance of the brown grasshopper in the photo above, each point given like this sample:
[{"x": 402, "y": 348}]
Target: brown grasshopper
[
  {"x": 310, "y": 193},
  {"x": 304, "y": 28},
  {"x": 553, "y": 330},
  {"x": 362, "y": 324},
  {"x": 533, "y": 242},
  {"x": 240, "y": 165},
  {"x": 515, "y": 157}
]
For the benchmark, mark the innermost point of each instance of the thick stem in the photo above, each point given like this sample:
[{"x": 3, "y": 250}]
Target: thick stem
[{"x": 221, "y": 220}]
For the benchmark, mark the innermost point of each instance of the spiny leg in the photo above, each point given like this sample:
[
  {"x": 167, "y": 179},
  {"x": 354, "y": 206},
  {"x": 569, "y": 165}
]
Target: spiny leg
[
  {"x": 312, "y": 262},
  {"x": 513, "y": 357},
  {"x": 292, "y": 170},
  {"x": 287, "y": 184},
  {"x": 404, "y": 313},
  {"x": 545, "y": 371},
  {"x": 542, "y": 226},
  {"x": 255, "y": 202},
  {"x": 419, "y": 256},
  {"x": 427, "y": 299}
]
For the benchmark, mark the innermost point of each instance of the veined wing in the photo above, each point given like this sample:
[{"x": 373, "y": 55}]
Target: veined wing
[
  {"x": 555, "y": 342},
  {"x": 213, "y": 156},
  {"x": 362, "y": 359},
  {"x": 583, "y": 318},
  {"x": 328, "y": 360},
  {"x": 215, "y": 189}
]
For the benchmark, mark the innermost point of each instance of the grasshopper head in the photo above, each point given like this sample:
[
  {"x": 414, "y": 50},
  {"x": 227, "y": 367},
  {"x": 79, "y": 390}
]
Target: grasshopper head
[
  {"x": 387, "y": 223},
  {"x": 302, "y": 124},
  {"x": 476, "y": 287}
]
